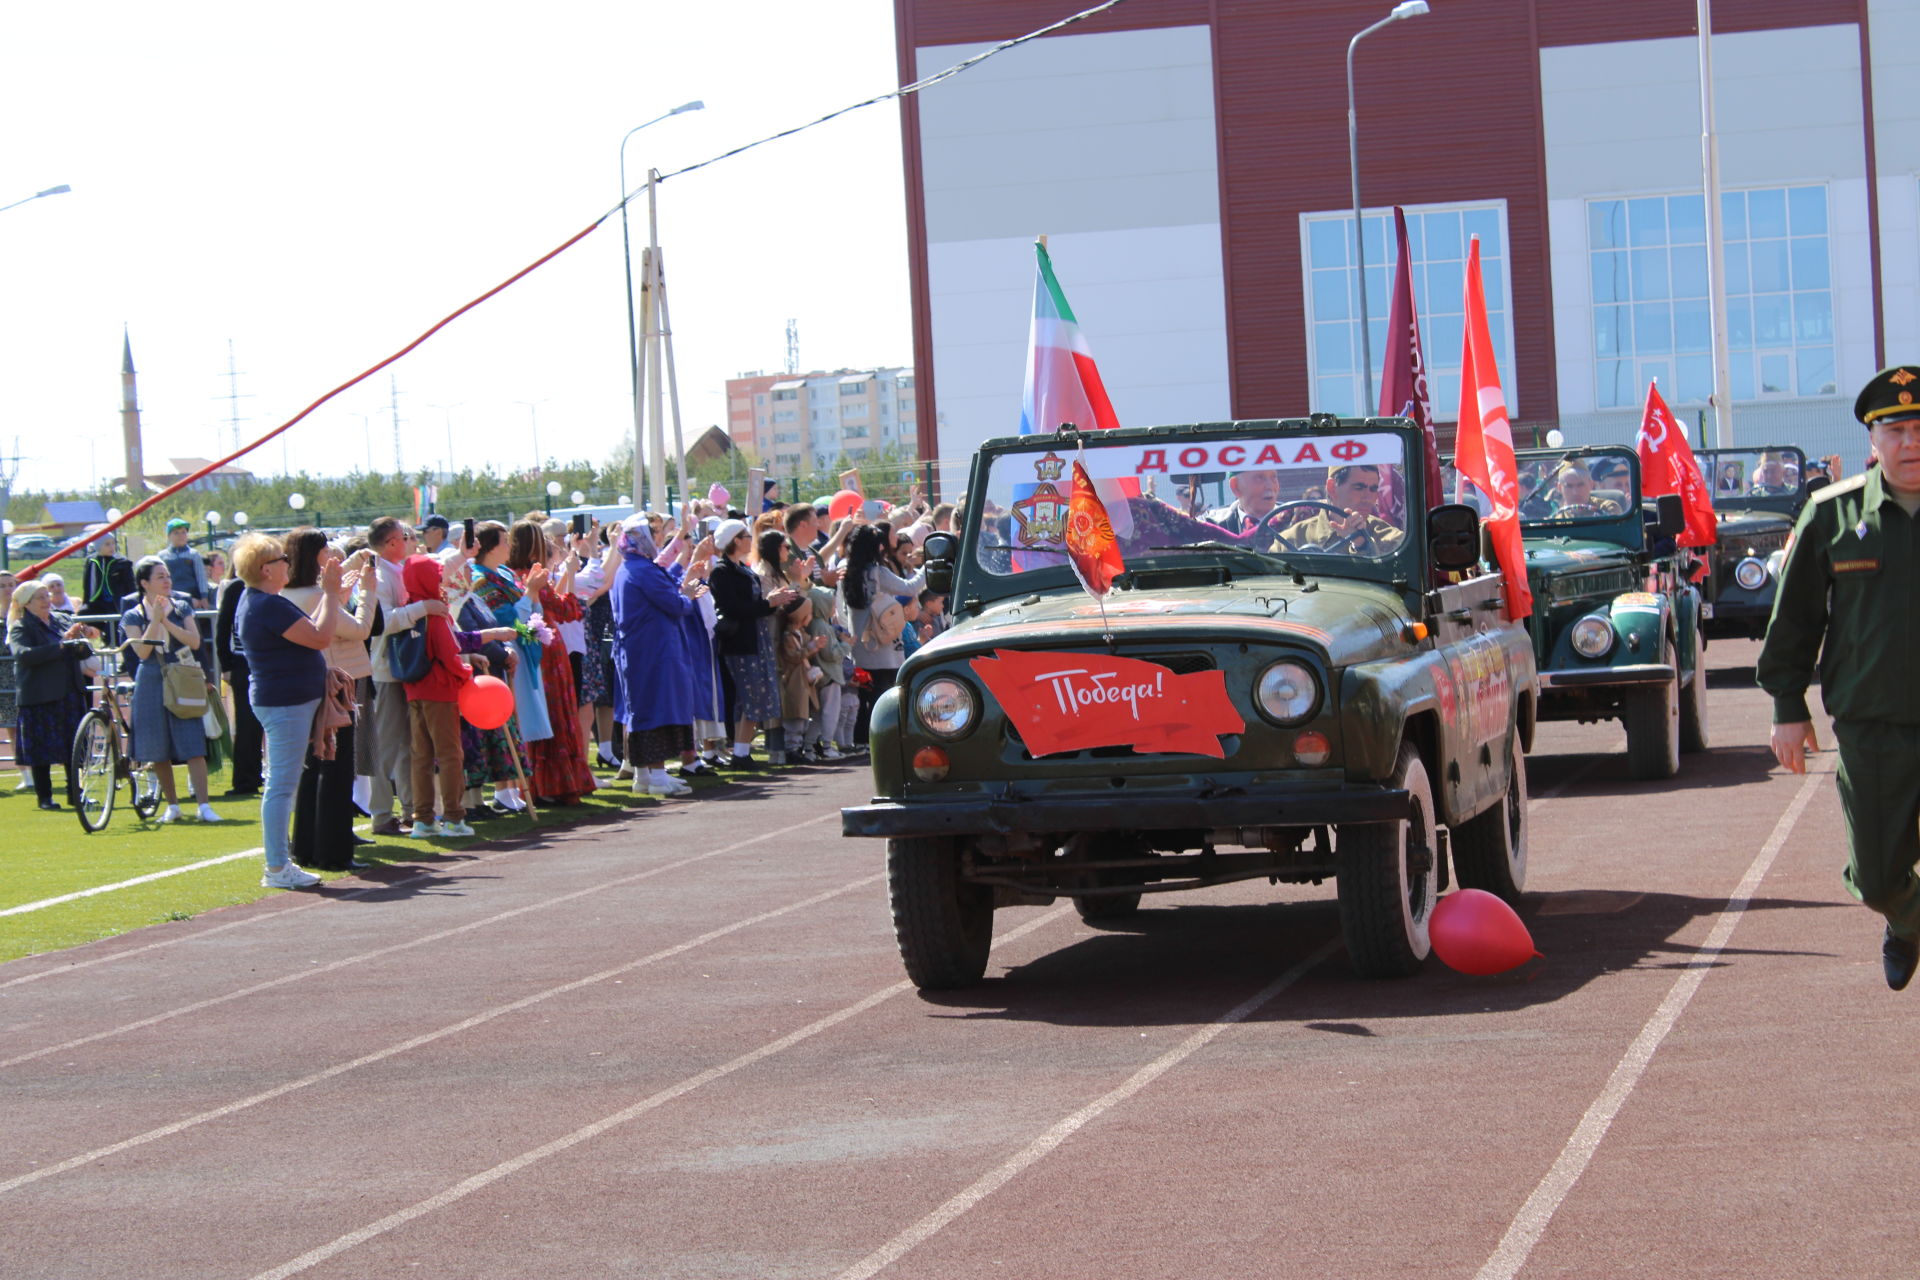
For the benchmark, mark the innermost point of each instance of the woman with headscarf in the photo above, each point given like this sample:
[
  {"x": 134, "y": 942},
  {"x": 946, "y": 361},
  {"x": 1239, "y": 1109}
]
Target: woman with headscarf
[
  {"x": 161, "y": 632},
  {"x": 743, "y": 631},
  {"x": 653, "y": 696},
  {"x": 49, "y": 650},
  {"x": 506, "y": 599}
]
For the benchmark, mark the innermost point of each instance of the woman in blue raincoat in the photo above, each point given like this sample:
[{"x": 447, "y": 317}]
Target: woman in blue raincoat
[{"x": 653, "y": 694}]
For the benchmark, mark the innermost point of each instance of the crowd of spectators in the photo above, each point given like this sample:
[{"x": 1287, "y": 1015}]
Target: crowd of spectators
[{"x": 663, "y": 647}]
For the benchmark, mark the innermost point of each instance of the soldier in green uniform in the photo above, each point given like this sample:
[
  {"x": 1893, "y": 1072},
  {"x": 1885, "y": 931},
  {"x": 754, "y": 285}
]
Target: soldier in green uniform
[
  {"x": 1850, "y": 596},
  {"x": 1354, "y": 489}
]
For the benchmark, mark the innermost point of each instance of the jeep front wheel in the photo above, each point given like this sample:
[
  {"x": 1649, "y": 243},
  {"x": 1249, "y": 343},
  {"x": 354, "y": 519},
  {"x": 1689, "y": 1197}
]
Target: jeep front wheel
[
  {"x": 944, "y": 926},
  {"x": 1388, "y": 882},
  {"x": 1653, "y": 728},
  {"x": 1693, "y": 703},
  {"x": 1490, "y": 849}
]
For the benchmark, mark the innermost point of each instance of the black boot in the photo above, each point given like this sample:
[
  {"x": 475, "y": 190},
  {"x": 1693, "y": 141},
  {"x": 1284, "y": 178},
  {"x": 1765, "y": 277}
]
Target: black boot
[{"x": 1898, "y": 957}]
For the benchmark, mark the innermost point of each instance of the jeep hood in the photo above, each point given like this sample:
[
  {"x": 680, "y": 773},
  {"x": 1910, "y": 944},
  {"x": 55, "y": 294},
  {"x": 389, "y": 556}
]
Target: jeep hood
[{"x": 1348, "y": 621}]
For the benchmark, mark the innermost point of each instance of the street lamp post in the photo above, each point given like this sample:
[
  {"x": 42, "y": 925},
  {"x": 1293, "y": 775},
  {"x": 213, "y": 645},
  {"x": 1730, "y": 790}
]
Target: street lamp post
[
  {"x": 1406, "y": 9},
  {"x": 60, "y": 190},
  {"x": 626, "y": 257},
  {"x": 213, "y": 523},
  {"x": 533, "y": 425},
  {"x": 553, "y": 491}
]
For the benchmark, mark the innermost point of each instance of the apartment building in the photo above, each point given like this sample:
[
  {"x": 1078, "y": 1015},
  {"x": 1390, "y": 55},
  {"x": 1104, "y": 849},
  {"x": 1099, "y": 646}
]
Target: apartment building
[{"x": 798, "y": 423}]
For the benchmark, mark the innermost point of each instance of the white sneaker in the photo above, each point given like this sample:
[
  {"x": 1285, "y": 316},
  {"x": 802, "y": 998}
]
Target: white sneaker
[
  {"x": 288, "y": 877},
  {"x": 422, "y": 831},
  {"x": 828, "y": 753},
  {"x": 169, "y": 814},
  {"x": 665, "y": 784},
  {"x": 208, "y": 815},
  {"x": 452, "y": 830}
]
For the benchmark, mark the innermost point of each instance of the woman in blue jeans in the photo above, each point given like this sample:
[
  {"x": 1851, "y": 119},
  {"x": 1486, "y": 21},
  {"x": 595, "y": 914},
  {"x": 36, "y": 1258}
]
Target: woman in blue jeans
[{"x": 287, "y": 674}]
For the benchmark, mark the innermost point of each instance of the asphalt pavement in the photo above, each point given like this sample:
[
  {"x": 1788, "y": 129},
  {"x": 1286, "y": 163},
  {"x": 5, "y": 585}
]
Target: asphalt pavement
[{"x": 682, "y": 1046}]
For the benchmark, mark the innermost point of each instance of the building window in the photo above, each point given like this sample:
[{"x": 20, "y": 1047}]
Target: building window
[
  {"x": 905, "y": 381},
  {"x": 785, "y": 415},
  {"x": 853, "y": 388},
  {"x": 1647, "y": 257},
  {"x": 791, "y": 393},
  {"x": 1437, "y": 238},
  {"x": 854, "y": 410}
]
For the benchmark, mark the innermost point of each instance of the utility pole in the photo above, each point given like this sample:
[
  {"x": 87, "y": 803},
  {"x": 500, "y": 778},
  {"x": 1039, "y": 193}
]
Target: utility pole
[
  {"x": 233, "y": 397},
  {"x": 9, "y": 468},
  {"x": 793, "y": 347},
  {"x": 393, "y": 400}
]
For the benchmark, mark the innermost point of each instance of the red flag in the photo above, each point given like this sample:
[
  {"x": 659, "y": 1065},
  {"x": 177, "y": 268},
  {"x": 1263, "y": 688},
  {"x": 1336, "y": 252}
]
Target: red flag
[
  {"x": 1403, "y": 379},
  {"x": 1667, "y": 466},
  {"x": 1077, "y": 701},
  {"x": 1091, "y": 546},
  {"x": 1484, "y": 449}
]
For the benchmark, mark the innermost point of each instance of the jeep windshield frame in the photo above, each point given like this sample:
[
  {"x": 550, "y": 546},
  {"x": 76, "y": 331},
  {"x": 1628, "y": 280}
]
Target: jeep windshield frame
[
  {"x": 1540, "y": 511},
  {"x": 1019, "y": 489},
  {"x": 1735, "y": 477}
]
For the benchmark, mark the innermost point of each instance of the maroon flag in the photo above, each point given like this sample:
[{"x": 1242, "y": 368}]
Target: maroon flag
[{"x": 1403, "y": 378}]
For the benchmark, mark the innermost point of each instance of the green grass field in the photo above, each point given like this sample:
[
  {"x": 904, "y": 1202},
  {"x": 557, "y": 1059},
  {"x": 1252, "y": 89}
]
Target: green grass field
[{"x": 44, "y": 855}]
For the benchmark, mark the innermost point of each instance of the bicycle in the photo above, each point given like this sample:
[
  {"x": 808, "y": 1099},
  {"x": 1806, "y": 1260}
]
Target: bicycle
[{"x": 99, "y": 762}]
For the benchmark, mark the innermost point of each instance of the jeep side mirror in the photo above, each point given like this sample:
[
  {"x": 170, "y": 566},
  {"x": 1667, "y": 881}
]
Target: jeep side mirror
[
  {"x": 1453, "y": 536},
  {"x": 1670, "y": 517},
  {"x": 939, "y": 550}
]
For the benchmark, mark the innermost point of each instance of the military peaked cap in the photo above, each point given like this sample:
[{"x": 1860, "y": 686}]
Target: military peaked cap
[{"x": 1891, "y": 394}]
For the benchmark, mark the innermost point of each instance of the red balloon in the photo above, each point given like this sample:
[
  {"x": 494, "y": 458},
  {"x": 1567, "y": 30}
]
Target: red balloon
[
  {"x": 486, "y": 702},
  {"x": 844, "y": 504},
  {"x": 1475, "y": 932}
]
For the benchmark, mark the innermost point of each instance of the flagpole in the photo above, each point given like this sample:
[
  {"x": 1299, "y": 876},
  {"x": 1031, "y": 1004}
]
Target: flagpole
[{"x": 1716, "y": 239}]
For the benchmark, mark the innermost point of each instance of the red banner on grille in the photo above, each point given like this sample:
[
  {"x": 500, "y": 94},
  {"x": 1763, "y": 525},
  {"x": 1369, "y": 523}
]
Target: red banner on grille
[{"x": 1076, "y": 701}]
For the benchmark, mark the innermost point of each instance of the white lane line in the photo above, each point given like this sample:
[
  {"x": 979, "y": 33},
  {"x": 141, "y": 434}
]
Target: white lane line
[
  {"x": 407, "y": 945},
  {"x": 425, "y": 1038},
  {"x": 321, "y": 900},
  {"x": 1004, "y": 1173},
  {"x": 1531, "y": 1222},
  {"x": 149, "y": 878},
  {"x": 480, "y": 1181}
]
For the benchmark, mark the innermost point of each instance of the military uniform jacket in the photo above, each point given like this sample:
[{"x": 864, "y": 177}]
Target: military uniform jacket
[
  {"x": 1851, "y": 580},
  {"x": 1376, "y": 538}
]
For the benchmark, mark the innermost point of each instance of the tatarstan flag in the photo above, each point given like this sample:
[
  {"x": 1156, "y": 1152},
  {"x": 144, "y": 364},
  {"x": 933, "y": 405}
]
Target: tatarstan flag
[
  {"x": 1483, "y": 451},
  {"x": 1063, "y": 384}
]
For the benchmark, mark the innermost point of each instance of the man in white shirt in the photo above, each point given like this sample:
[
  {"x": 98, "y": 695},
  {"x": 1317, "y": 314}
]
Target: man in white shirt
[{"x": 393, "y": 542}]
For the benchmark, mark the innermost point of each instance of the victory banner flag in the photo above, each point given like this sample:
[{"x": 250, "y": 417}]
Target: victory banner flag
[
  {"x": 1063, "y": 384},
  {"x": 1091, "y": 545},
  {"x": 1080, "y": 701},
  {"x": 1667, "y": 466},
  {"x": 1483, "y": 451},
  {"x": 1403, "y": 378}
]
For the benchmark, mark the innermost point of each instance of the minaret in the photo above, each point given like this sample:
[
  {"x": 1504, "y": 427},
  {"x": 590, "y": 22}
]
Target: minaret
[{"x": 130, "y": 421}]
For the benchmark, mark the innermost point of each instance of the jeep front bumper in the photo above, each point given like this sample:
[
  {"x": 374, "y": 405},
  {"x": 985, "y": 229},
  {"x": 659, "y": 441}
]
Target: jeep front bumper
[
  {"x": 1600, "y": 677},
  {"x": 1231, "y": 807}
]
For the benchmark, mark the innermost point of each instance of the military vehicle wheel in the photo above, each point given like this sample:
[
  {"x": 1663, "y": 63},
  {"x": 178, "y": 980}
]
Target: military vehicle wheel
[
  {"x": 1105, "y": 906},
  {"x": 1653, "y": 728},
  {"x": 943, "y": 925},
  {"x": 1490, "y": 849},
  {"x": 1388, "y": 881},
  {"x": 1693, "y": 701}
]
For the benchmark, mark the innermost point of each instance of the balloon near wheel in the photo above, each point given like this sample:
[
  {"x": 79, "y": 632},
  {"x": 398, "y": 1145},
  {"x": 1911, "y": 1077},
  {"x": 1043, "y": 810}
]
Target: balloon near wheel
[{"x": 1475, "y": 932}]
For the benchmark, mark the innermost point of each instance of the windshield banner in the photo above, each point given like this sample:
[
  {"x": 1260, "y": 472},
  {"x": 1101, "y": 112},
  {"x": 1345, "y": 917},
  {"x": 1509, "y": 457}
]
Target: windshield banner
[
  {"x": 1276, "y": 453},
  {"x": 1078, "y": 701}
]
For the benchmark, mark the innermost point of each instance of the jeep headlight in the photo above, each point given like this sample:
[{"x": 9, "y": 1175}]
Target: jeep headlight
[
  {"x": 1592, "y": 636},
  {"x": 1287, "y": 692},
  {"x": 946, "y": 707},
  {"x": 1751, "y": 574}
]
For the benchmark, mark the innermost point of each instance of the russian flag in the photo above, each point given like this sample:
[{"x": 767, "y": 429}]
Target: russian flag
[{"x": 1063, "y": 384}]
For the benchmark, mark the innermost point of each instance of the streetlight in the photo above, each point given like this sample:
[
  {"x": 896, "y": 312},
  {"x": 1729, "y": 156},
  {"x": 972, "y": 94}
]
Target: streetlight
[
  {"x": 298, "y": 501},
  {"x": 578, "y": 497},
  {"x": 553, "y": 491},
  {"x": 623, "y": 501},
  {"x": 60, "y": 190},
  {"x": 447, "y": 411},
  {"x": 1405, "y": 9},
  {"x": 213, "y": 522},
  {"x": 533, "y": 425},
  {"x": 626, "y": 256},
  {"x": 6, "y": 552}
]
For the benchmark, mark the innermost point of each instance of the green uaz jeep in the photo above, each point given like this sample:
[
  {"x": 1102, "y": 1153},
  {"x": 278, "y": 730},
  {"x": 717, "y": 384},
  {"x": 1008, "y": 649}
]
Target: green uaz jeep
[
  {"x": 1615, "y": 624},
  {"x": 1757, "y": 495},
  {"x": 1301, "y": 673}
]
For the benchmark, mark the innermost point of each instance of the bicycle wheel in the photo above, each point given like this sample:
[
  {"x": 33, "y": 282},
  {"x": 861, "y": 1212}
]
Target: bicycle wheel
[
  {"x": 144, "y": 783},
  {"x": 95, "y": 770}
]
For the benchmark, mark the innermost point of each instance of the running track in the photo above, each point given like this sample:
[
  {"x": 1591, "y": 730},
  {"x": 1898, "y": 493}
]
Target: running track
[{"x": 681, "y": 1047}]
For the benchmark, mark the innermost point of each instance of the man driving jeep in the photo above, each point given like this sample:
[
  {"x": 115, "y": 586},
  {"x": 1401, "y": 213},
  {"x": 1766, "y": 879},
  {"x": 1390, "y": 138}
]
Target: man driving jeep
[
  {"x": 1356, "y": 491},
  {"x": 1574, "y": 496}
]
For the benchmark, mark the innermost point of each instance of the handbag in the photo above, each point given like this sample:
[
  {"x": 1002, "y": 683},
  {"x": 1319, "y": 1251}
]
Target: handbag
[
  {"x": 183, "y": 689},
  {"x": 407, "y": 656}
]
